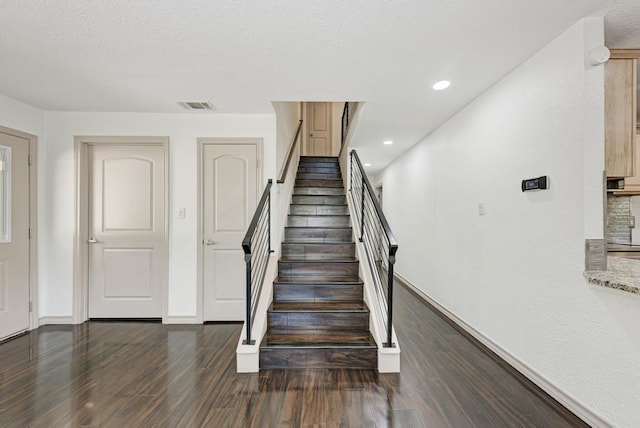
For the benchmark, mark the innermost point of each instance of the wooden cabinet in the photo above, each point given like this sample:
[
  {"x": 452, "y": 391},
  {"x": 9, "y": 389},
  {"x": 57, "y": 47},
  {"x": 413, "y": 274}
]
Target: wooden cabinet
[
  {"x": 620, "y": 76},
  {"x": 632, "y": 184}
]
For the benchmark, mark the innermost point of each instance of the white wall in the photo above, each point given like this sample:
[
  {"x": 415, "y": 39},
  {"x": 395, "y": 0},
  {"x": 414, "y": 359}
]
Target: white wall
[
  {"x": 21, "y": 117},
  {"x": 515, "y": 274},
  {"x": 183, "y": 130},
  {"x": 288, "y": 115}
]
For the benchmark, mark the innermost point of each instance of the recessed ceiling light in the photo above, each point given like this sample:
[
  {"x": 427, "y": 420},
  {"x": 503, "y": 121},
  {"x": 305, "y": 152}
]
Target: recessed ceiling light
[
  {"x": 443, "y": 84},
  {"x": 388, "y": 143},
  {"x": 367, "y": 164}
]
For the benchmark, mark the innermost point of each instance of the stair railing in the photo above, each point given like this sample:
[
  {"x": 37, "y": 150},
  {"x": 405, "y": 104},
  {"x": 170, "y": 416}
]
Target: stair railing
[
  {"x": 348, "y": 113},
  {"x": 379, "y": 242},
  {"x": 257, "y": 248}
]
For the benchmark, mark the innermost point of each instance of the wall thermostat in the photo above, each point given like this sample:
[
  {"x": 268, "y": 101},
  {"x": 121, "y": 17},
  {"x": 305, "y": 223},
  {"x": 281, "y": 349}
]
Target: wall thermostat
[{"x": 535, "y": 183}]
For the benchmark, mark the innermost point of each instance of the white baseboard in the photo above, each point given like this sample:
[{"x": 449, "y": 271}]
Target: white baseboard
[
  {"x": 170, "y": 319},
  {"x": 571, "y": 403},
  {"x": 55, "y": 320}
]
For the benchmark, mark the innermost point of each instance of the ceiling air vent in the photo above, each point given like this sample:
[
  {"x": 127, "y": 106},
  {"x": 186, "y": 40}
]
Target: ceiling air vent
[{"x": 197, "y": 105}]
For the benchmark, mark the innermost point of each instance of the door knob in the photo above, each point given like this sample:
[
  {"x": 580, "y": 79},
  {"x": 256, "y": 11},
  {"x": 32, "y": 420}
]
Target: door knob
[
  {"x": 93, "y": 240},
  {"x": 210, "y": 242}
]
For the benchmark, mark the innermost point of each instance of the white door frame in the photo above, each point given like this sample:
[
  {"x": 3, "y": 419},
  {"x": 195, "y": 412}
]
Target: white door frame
[
  {"x": 34, "y": 320},
  {"x": 258, "y": 142},
  {"x": 80, "y": 245}
]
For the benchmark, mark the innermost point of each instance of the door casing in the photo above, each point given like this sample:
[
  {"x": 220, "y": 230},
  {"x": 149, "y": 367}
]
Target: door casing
[
  {"x": 34, "y": 320},
  {"x": 80, "y": 246},
  {"x": 258, "y": 142}
]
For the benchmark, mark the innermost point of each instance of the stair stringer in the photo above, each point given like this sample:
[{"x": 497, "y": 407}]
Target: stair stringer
[{"x": 388, "y": 358}]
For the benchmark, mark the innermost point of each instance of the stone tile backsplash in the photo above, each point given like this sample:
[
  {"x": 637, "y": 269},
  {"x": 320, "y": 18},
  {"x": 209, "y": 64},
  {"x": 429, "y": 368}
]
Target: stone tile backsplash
[{"x": 618, "y": 214}]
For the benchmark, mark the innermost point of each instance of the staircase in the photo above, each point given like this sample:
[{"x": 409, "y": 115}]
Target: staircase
[{"x": 318, "y": 318}]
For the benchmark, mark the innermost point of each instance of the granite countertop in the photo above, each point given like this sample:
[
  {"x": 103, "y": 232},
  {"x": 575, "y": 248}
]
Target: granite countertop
[
  {"x": 622, "y": 274},
  {"x": 622, "y": 247}
]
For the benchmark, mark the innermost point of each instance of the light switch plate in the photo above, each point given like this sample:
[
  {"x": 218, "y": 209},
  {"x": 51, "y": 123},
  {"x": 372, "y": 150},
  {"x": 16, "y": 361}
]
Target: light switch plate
[{"x": 182, "y": 213}]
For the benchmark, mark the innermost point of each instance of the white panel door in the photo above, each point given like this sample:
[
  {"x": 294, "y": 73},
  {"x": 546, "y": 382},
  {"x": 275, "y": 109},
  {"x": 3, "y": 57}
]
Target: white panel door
[
  {"x": 229, "y": 201},
  {"x": 319, "y": 120},
  {"x": 14, "y": 235},
  {"x": 127, "y": 231}
]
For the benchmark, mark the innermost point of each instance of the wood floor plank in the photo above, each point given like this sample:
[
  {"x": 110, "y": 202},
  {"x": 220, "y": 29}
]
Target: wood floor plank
[{"x": 126, "y": 374}]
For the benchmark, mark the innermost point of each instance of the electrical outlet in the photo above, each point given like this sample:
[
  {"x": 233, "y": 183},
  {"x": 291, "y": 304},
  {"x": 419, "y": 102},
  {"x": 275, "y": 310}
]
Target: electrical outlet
[{"x": 481, "y": 209}]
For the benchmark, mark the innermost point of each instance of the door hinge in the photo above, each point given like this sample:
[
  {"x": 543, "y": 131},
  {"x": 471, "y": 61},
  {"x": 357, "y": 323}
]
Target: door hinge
[
  {"x": 29, "y": 233},
  {"x": 29, "y": 159},
  {"x": 30, "y": 306}
]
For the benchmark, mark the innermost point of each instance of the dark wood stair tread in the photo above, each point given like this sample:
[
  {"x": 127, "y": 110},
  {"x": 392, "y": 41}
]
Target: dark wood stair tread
[
  {"x": 320, "y": 339},
  {"x": 319, "y": 278},
  {"x": 319, "y": 205},
  {"x": 318, "y": 183},
  {"x": 319, "y": 228},
  {"x": 319, "y": 158},
  {"x": 319, "y": 260},
  {"x": 326, "y": 261},
  {"x": 320, "y": 244},
  {"x": 330, "y": 280},
  {"x": 319, "y": 191},
  {"x": 320, "y": 215},
  {"x": 313, "y": 307}
]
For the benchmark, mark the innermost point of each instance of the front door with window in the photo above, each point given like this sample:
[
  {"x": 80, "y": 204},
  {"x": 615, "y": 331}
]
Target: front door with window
[{"x": 14, "y": 234}]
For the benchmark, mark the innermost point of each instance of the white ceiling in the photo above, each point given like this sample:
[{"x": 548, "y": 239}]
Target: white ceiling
[{"x": 123, "y": 55}]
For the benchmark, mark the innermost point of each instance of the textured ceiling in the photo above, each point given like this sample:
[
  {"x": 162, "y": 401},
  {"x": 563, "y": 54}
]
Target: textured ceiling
[{"x": 117, "y": 55}]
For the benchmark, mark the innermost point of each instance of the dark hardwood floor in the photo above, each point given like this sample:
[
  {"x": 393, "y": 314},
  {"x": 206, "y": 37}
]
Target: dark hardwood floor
[{"x": 151, "y": 375}]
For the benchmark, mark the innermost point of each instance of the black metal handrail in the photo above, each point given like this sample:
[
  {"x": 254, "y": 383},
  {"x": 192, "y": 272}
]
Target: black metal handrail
[
  {"x": 345, "y": 122},
  {"x": 257, "y": 248},
  {"x": 347, "y": 118},
  {"x": 285, "y": 166},
  {"x": 379, "y": 242}
]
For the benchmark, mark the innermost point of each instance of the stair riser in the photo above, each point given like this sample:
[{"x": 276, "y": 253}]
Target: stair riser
[
  {"x": 288, "y": 321},
  {"x": 316, "y": 292},
  {"x": 318, "y": 221},
  {"x": 318, "y": 200},
  {"x": 319, "y": 210},
  {"x": 319, "y": 169},
  {"x": 312, "y": 164},
  {"x": 320, "y": 338},
  {"x": 318, "y": 191},
  {"x": 320, "y": 236},
  {"x": 318, "y": 252},
  {"x": 320, "y": 183},
  {"x": 330, "y": 159},
  {"x": 319, "y": 358},
  {"x": 316, "y": 176},
  {"x": 333, "y": 269}
]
